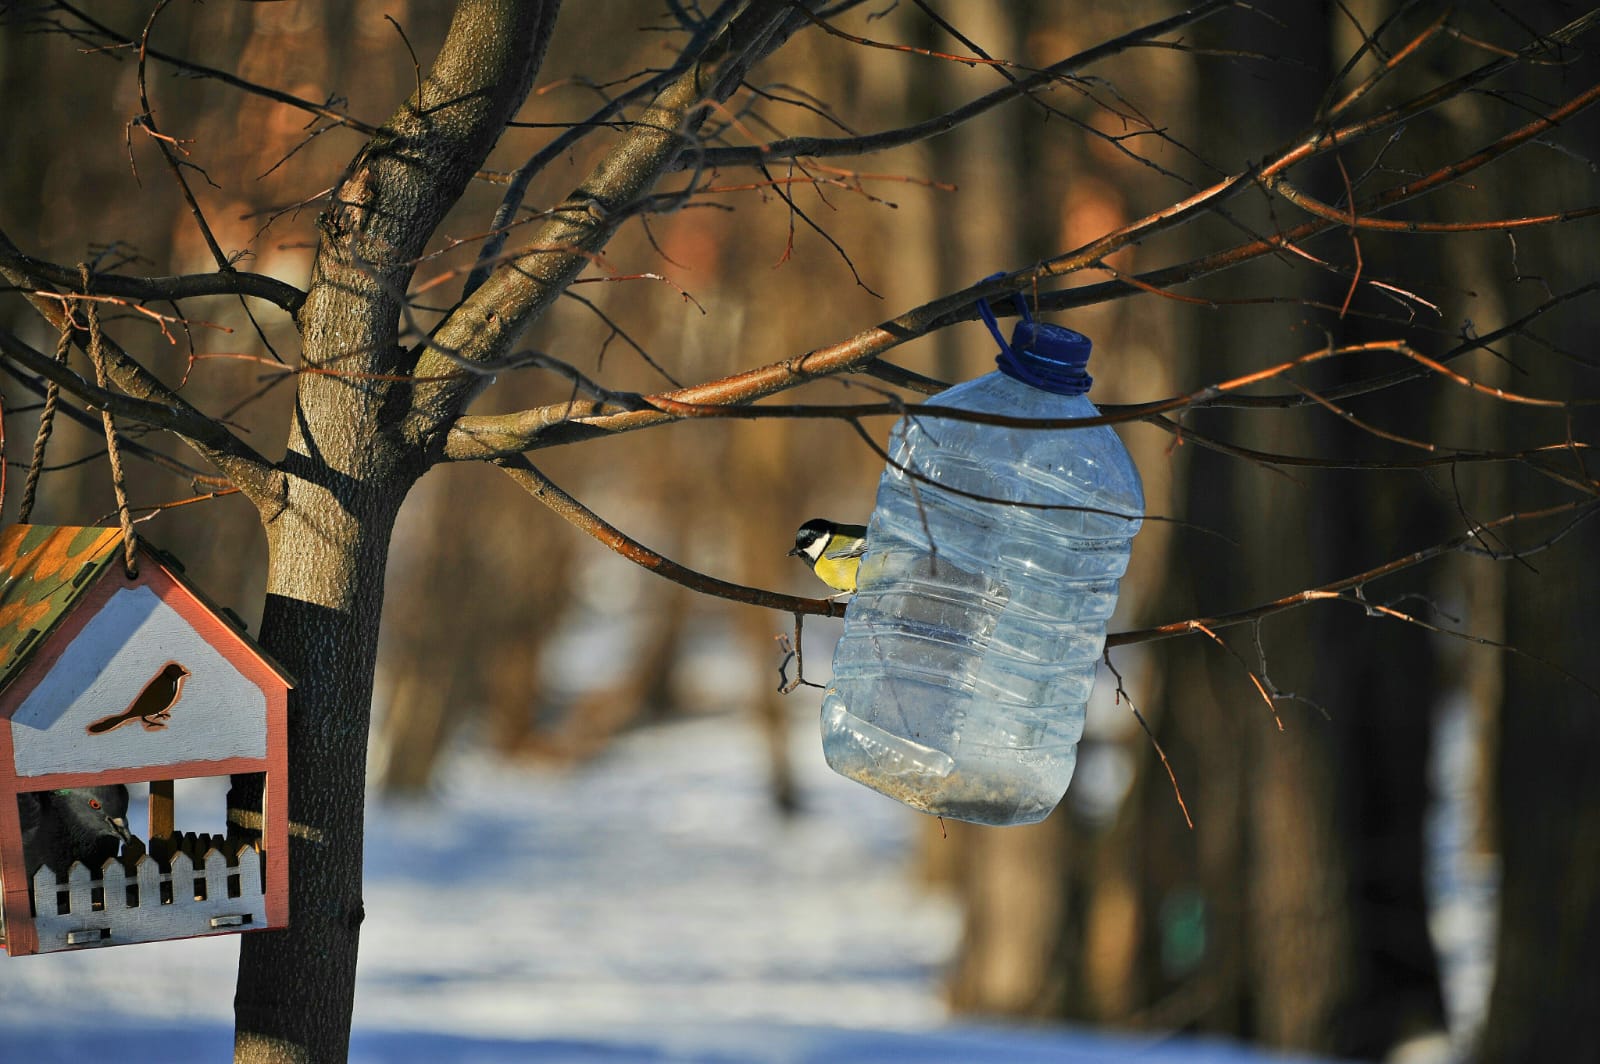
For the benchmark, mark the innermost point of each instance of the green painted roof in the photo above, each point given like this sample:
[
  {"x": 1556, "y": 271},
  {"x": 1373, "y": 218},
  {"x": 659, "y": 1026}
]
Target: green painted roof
[{"x": 43, "y": 571}]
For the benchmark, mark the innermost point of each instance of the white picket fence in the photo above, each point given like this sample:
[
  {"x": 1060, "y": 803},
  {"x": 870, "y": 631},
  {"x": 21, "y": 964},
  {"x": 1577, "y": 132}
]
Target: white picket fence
[{"x": 116, "y": 908}]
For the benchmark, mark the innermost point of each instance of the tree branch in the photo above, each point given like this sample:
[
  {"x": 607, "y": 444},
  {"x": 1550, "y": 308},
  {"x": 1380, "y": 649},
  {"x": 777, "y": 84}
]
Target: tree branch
[
  {"x": 147, "y": 400},
  {"x": 198, "y": 70},
  {"x": 526, "y": 430},
  {"x": 183, "y": 286},
  {"x": 1320, "y": 140},
  {"x": 487, "y": 323},
  {"x": 181, "y": 419},
  {"x": 401, "y": 184},
  {"x": 491, "y": 435},
  {"x": 129, "y": 446},
  {"x": 581, "y": 517},
  {"x": 1469, "y": 540},
  {"x": 795, "y": 147},
  {"x": 511, "y": 202}
]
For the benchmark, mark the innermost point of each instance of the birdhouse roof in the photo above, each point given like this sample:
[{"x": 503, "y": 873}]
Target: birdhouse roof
[{"x": 44, "y": 569}]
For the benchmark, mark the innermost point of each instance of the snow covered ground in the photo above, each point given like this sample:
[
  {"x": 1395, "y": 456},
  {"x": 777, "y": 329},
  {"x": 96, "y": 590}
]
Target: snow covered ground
[{"x": 646, "y": 907}]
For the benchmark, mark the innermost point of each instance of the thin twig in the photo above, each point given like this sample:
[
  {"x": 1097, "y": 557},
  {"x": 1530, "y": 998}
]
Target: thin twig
[{"x": 1123, "y": 697}]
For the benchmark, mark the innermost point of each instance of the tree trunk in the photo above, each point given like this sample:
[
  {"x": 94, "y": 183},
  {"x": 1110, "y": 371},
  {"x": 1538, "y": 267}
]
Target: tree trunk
[
  {"x": 296, "y": 987},
  {"x": 350, "y": 461},
  {"x": 1547, "y": 977},
  {"x": 328, "y": 548},
  {"x": 1547, "y": 955},
  {"x": 1296, "y": 915},
  {"x": 1014, "y": 885}
]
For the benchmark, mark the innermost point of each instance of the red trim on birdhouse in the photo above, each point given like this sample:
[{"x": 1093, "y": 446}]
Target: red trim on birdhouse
[{"x": 20, "y": 936}]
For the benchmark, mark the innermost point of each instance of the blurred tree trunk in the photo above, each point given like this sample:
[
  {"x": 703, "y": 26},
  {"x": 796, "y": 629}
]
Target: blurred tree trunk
[
  {"x": 1010, "y": 881},
  {"x": 1547, "y": 955},
  {"x": 1326, "y": 945},
  {"x": 1547, "y": 975},
  {"x": 460, "y": 646}
]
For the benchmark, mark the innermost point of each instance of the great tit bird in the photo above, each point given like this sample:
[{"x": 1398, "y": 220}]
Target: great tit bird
[{"x": 833, "y": 550}]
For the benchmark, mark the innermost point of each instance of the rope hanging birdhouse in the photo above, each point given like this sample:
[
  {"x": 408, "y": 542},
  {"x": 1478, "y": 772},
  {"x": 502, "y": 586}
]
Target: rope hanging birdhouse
[{"x": 114, "y": 674}]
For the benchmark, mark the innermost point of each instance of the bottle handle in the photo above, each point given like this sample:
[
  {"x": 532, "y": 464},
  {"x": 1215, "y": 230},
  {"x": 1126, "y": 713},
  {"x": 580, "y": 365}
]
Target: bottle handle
[{"x": 986, "y": 312}]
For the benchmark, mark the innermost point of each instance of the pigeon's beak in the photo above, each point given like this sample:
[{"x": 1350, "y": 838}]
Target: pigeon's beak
[{"x": 121, "y": 827}]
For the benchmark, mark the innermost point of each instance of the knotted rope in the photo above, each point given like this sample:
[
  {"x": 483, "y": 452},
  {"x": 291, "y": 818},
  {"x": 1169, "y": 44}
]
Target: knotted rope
[
  {"x": 119, "y": 482},
  {"x": 47, "y": 417}
]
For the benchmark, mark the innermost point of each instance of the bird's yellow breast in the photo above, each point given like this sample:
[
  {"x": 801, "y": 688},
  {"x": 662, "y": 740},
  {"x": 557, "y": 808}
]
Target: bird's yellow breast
[{"x": 838, "y": 573}]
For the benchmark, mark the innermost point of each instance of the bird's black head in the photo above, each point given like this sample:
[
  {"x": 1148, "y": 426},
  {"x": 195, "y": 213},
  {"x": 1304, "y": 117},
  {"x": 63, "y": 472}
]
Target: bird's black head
[
  {"x": 174, "y": 670},
  {"x": 813, "y": 530}
]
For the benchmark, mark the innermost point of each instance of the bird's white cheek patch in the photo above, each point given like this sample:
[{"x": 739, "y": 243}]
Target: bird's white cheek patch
[{"x": 220, "y": 714}]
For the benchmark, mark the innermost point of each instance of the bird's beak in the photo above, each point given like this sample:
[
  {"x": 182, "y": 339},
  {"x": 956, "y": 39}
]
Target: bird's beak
[
  {"x": 122, "y": 828},
  {"x": 796, "y": 553}
]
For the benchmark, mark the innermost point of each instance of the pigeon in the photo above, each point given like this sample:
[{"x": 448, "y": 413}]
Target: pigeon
[
  {"x": 87, "y": 824},
  {"x": 153, "y": 707}
]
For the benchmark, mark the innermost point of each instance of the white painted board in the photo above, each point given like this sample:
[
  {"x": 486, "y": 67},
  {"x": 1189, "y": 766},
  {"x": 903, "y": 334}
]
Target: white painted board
[{"x": 219, "y": 713}]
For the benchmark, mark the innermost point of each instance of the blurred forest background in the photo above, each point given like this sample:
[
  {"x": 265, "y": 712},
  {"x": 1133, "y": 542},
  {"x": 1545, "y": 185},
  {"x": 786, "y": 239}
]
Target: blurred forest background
[{"x": 1297, "y": 910}]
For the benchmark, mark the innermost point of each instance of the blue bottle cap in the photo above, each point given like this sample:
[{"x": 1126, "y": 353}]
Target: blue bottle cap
[
  {"x": 1041, "y": 355},
  {"x": 1047, "y": 356}
]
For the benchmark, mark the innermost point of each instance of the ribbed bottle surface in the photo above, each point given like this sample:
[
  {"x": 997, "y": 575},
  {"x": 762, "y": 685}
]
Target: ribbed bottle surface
[{"x": 969, "y": 650}]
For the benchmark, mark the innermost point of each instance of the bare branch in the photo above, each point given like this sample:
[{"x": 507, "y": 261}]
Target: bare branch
[
  {"x": 705, "y": 33},
  {"x": 146, "y": 120},
  {"x": 868, "y": 346},
  {"x": 495, "y": 435},
  {"x": 1536, "y": 457},
  {"x": 1122, "y": 696},
  {"x": 148, "y": 399},
  {"x": 1320, "y": 141},
  {"x": 401, "y": 184},
  {"x": 129, "y": 446},
  {"x": 487, "y": 323},
  {"x": 1335, "y": 590},
  {"x": 581, "y": 517},
  {"x": 183, "y": 420},
  {"x": 183, "y": 286},
  {"x": 105, "y": 33},
  {"x": 796, "y": 147}
]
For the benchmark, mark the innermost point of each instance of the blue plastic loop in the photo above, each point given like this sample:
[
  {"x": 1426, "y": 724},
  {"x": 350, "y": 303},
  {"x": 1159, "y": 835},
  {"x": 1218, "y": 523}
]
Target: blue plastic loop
[{"x": 1040, "y": 355}]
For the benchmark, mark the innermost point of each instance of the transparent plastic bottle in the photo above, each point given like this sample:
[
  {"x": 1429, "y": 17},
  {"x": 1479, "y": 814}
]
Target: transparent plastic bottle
[{"x": 970, "y": 647}]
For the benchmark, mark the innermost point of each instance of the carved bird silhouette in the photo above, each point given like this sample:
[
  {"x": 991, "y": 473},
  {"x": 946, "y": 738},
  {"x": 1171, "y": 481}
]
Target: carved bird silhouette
[
  {"x": 153, "y": 706},
  {"x": 87, "y": 824}
]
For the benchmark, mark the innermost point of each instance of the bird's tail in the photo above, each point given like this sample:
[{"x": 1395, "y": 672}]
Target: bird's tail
[{"x": 105, "y": 724}]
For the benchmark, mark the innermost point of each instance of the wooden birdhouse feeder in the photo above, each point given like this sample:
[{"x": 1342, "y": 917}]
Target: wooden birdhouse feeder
[{"x": 108, "y": 679}]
